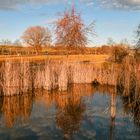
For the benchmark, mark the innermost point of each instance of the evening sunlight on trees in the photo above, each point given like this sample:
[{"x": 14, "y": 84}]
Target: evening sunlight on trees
[
  {"x": 71, "y": 32},
  {"x": 37, "y": 37}
]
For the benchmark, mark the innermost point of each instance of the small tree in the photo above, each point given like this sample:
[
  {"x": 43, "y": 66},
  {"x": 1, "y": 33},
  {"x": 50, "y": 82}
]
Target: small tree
[
  {"x": 71, "y": 32},
  {"x": 17, "y": 43},
  {"x": 36, "y": 36},
  {"x": 119, "y": 52},
  {"x": 124, "y": 42},
  {"x": 110, "y": 42},
  {"x": 138, "y": 37},
  {"x": 137, "y": 46},
  {"x": 5, "y": 42}
]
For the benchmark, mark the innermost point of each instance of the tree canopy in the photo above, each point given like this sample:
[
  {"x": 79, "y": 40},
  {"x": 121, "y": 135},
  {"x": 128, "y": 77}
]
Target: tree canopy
[
  {"x": 71, "y": 31},
  {"x": 36, "y": 36}
]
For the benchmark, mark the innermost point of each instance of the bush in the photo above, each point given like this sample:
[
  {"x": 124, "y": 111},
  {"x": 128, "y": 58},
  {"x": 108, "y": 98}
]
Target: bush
[{"x": 119, "y": 52}]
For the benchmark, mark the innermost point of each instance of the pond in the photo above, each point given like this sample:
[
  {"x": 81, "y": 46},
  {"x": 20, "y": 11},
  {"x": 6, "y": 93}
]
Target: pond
[{"x": 84, "y": 112}]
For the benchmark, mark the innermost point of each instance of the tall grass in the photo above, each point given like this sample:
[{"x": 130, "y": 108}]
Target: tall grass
[
  {"x": 128, "y": 80},
  {"x": 22, "y": 75}
]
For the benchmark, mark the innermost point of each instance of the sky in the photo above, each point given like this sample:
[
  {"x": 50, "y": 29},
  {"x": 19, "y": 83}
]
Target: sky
[{"x": 116, "y": 19}]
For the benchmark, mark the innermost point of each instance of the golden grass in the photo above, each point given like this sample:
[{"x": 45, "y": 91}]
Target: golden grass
[{"x": 70, "y": 58}]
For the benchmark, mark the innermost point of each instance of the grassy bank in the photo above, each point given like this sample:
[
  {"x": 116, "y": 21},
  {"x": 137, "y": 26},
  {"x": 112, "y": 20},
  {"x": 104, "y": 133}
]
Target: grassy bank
[{"x": 70, "y": 58}]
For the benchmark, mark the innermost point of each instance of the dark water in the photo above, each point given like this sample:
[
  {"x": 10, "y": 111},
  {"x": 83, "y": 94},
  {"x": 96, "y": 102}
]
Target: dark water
[{"x": 83, "y": 112}]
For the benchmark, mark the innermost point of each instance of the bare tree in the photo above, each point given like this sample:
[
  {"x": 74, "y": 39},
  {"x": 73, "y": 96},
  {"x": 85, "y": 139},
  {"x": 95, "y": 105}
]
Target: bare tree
[
  {"x": 5, "y": 42},
  {"x": 36, "y": 36},
  {"x": 17, "y": 43},
  {"x": 138, "y": 37},
  {"x": 137, "y": 45},
  {"x": 110, "y": 42},
  {"x": 119, "y": 52},
  {"x": 71, "y": 32},
  {"x": 124, "y": 42}
]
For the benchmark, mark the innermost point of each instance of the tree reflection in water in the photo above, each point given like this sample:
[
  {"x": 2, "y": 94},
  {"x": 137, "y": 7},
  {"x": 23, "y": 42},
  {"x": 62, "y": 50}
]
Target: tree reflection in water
[
  {"x": 70, "y": 117},
  {"x": 70, "y": 111},
  {"x": 70, "y": 108}
]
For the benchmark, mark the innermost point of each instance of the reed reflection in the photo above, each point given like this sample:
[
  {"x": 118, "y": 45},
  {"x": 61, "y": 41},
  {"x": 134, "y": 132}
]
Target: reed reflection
[
  {"x": 16, "y": 107},
  {"x": 69, "y": 106},
  {"x": 131, "y": 106}
]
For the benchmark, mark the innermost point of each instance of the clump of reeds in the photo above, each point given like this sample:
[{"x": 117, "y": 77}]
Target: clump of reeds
[
  {"x": 19, "y": 76},
  {"x": 15, "y": 77},
  {"x": 128, "y": 82},
  {"x": 88, "y": 72},
  {"x": 1, "y": 77},
  {"x": 22, "y": 76}
]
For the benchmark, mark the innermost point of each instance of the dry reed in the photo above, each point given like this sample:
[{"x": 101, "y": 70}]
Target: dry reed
[{"x": 20, "y": 76}]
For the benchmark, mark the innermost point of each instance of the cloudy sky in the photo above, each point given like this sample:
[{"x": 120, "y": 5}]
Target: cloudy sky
[{"x": 117, "y": 19}]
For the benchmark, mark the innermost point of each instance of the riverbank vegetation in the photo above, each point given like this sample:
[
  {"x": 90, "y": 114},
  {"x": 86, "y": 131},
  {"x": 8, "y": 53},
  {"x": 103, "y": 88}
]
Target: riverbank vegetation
[{"x": 55, "y": 65}]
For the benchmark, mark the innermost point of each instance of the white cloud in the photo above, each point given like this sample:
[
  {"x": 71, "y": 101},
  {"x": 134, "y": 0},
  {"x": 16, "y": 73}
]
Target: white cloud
[
  {"x": 50, "y": 21},
  {"x": 117, "y": 4},
  {"x": 90, "y": 3},
  {"x": 121, "y": 4},
  {"x": 15, "y": 4}
]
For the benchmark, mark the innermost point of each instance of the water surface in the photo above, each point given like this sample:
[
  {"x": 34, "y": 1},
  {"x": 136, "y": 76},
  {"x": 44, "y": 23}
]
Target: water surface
[{"x": 83, "y": 112}]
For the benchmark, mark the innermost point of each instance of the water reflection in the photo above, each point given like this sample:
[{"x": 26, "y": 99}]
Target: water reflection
[
  {"x": 113, "y": 115},
  {"x": 83, "y": 112},
  {"x": 16, "y": 107},
  {"x": 69, "y": 118},
  {"x": 132, "y": 105}
]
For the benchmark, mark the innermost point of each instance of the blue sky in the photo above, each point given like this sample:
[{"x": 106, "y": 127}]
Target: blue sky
[{"x": 117, "y": 19}]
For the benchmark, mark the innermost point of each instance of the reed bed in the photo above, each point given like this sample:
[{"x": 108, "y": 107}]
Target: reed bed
[
  {"x": 19, "y": 76},
  {"x": 128, "y": 79},
  {"x": 23, "y": 75}
]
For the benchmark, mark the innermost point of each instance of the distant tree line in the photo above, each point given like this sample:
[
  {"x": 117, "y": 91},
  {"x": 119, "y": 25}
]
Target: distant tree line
[{"x": 72, "y": 34}]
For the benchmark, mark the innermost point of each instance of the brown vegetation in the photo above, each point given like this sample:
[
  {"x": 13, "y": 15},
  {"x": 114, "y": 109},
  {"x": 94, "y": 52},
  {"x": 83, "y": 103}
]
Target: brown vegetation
[
  {"x": 36, "y": 36},
  {"x": 51, "y": 74},
  {"x": 137, "y": 46},
  {"x": 119, "y": 52},
  {"x": 71, "y": 31}
]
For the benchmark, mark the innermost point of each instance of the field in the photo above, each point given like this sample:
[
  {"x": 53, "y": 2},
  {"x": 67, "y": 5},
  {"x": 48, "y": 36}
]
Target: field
[{"x": 70, "y": 58}]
